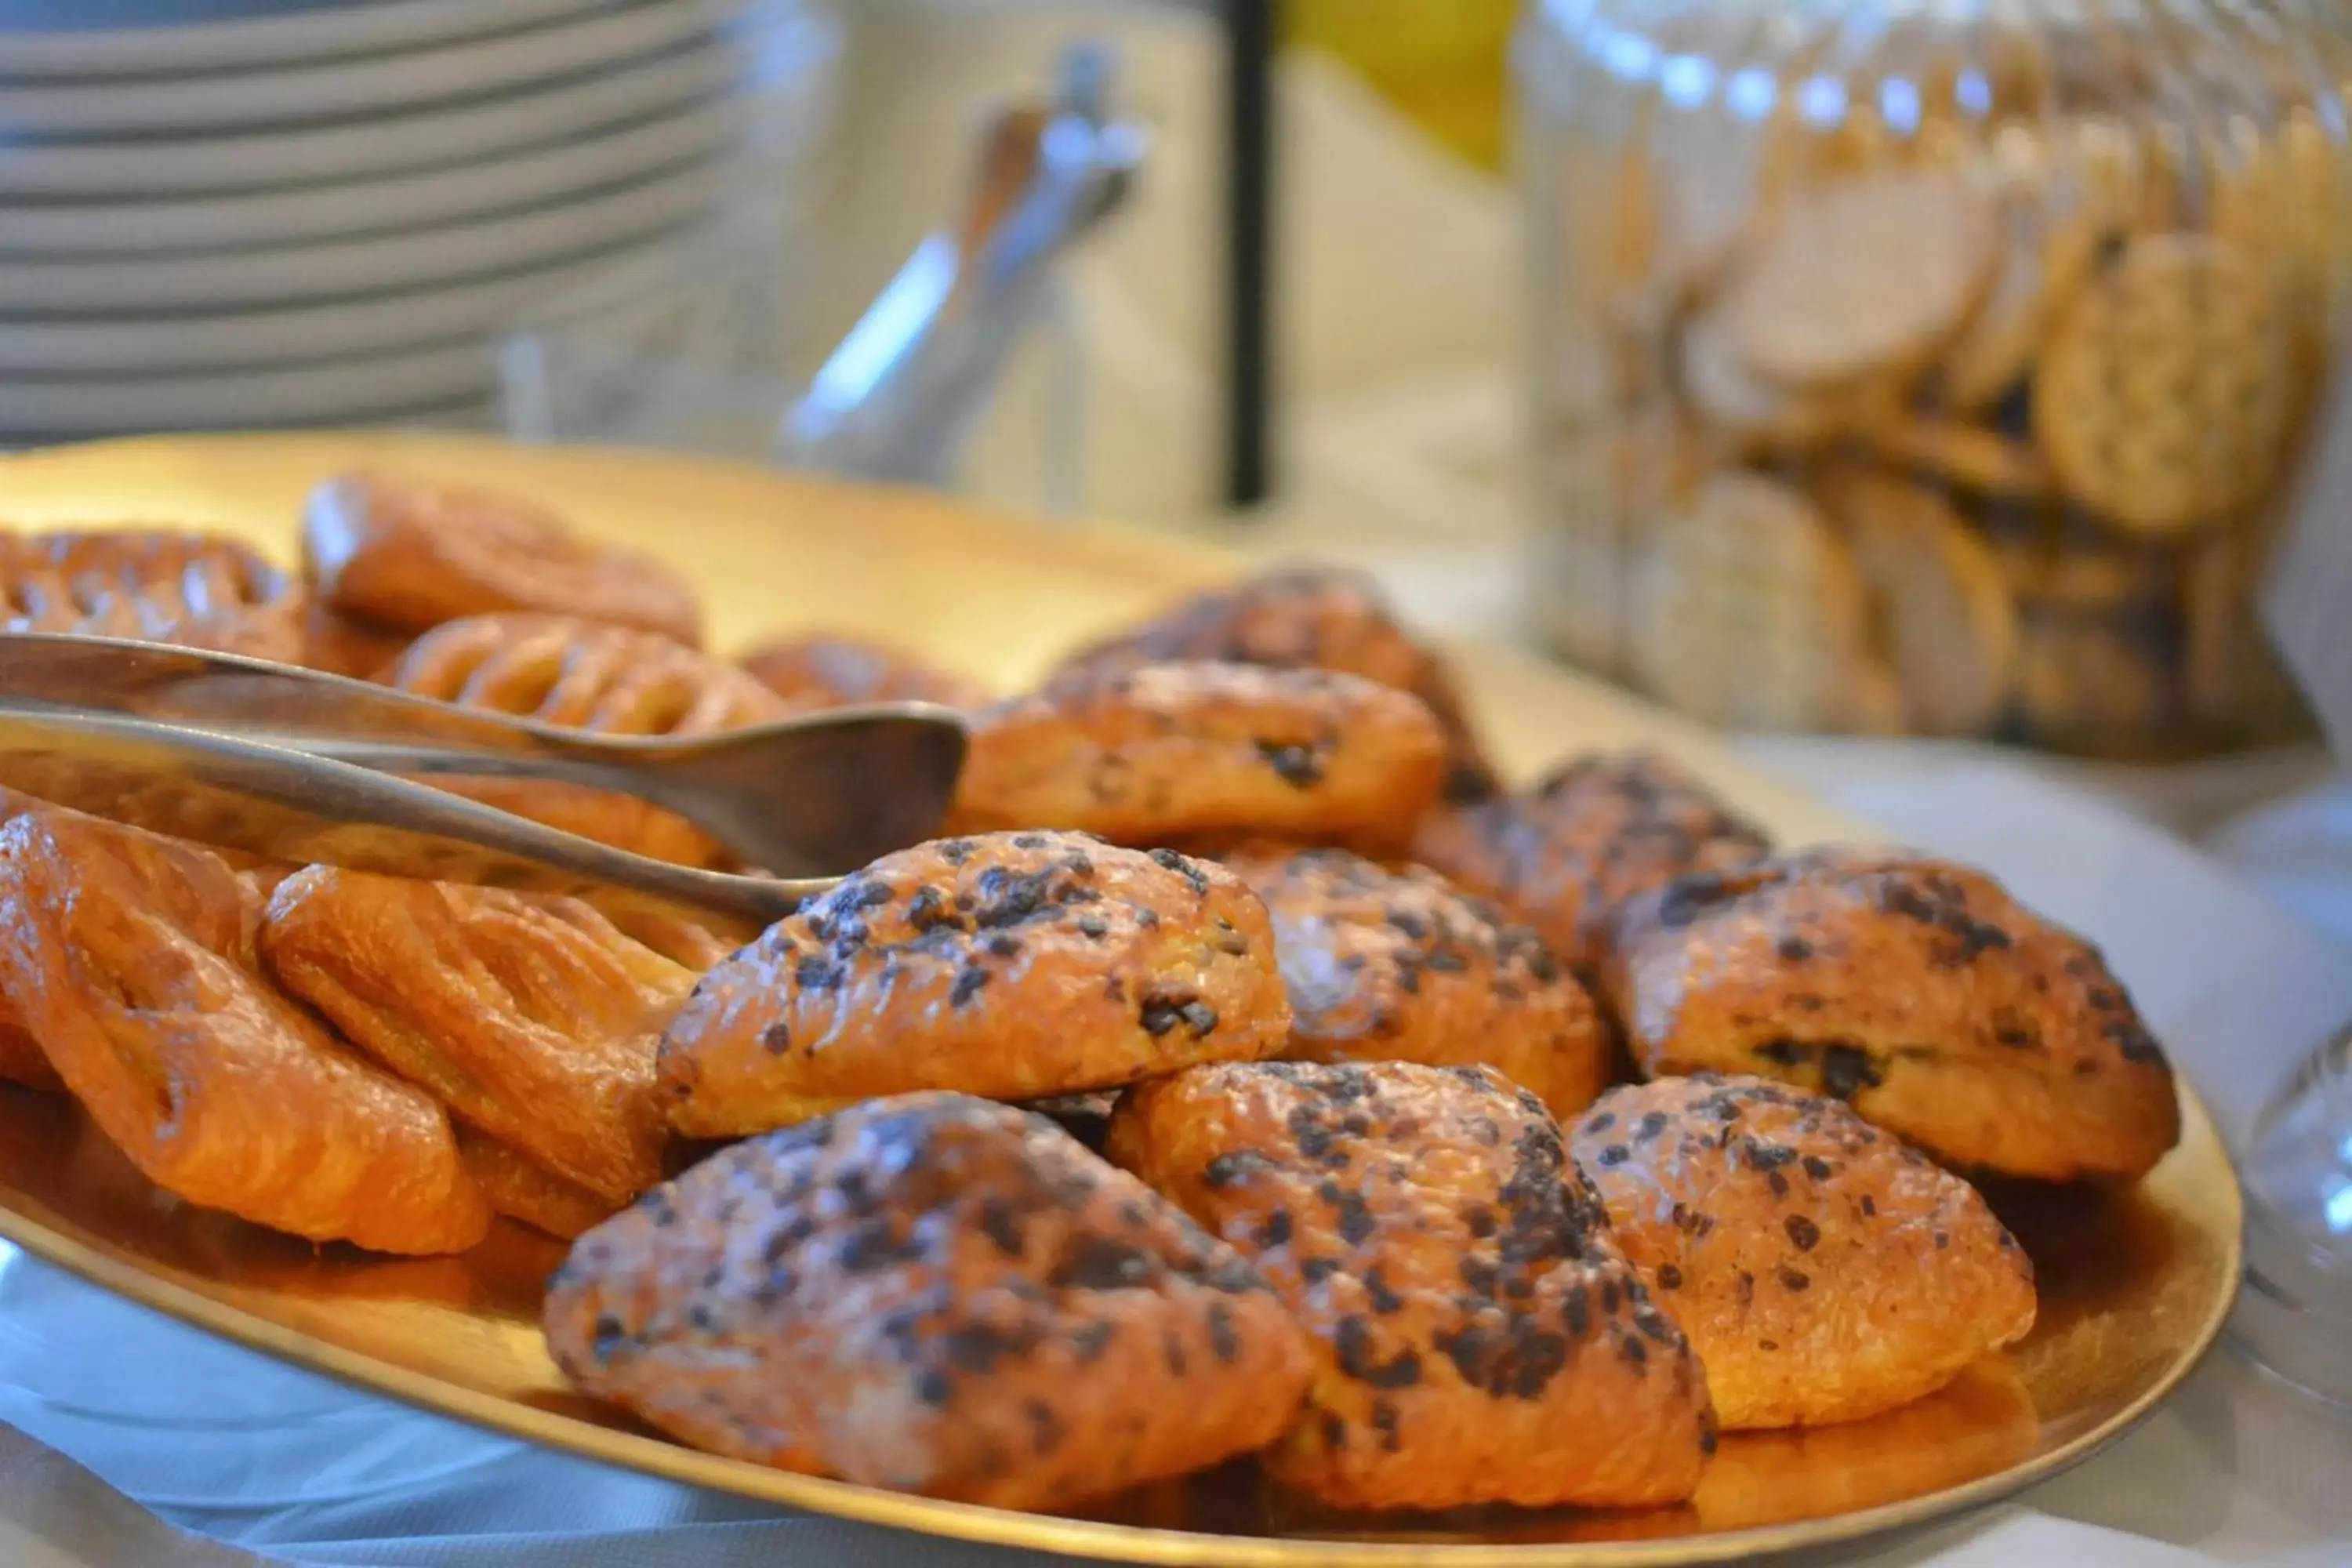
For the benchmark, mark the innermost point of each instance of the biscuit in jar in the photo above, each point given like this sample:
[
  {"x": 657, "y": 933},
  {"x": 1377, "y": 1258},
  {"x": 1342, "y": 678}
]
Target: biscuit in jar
[
  {"x": 1915, "y": 990},
  {"x": 934, "y": 1294},
  {"x": 1823, "y": 1270},
  {"x": 1017, "y": 966},
  {"x": 1477, "y": 1335}
]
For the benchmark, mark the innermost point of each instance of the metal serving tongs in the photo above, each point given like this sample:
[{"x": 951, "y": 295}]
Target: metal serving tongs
[
  {"x": 896, "y": 399},
  {"x": 299, "y": 766}
]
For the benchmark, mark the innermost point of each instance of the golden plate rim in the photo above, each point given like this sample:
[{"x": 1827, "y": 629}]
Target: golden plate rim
[{"x": 2200, "y": 1144}]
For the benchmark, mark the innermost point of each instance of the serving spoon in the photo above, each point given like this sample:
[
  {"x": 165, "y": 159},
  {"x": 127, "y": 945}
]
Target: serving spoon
[{"x": 299, "y": 765}]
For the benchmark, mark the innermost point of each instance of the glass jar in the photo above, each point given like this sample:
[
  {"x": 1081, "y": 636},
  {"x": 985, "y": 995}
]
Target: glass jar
[{"x": 1932, "y": 366}]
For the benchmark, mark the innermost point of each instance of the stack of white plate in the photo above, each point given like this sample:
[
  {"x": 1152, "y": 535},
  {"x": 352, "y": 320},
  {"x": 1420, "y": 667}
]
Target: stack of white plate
[{"x": 241, "y": 213}]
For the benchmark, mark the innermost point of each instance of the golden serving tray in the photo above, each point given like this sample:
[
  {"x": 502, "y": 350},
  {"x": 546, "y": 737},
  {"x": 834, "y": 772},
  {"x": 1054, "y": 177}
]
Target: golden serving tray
[{"x": 2135, "y": 1284}]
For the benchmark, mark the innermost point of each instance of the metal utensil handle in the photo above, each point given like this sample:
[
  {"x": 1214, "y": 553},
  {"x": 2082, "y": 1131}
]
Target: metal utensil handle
[{"x": 289, "y": 805}]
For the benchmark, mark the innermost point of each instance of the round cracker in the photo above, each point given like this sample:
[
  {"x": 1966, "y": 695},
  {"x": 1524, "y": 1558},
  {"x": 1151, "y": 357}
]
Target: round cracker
[
  {"x": 1968, "y": 456},
  {"x": 2236, "y": 683},
  {"x": 2093, "y": 684},
  {"x": 2044, "y": 256},
  {"x": 1942, "y": 607},
  {"x": 1755, "y": 414},
  {"x": 2164, "y": 397},
  {"x": 2077, "y": 575},
  {"x": 1863, "y": 275},
  {"x": 1872, "y": 701},
  {"x": 1748, "y": 610}
]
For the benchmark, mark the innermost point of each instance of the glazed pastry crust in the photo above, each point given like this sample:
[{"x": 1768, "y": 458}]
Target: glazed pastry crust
[
  {"x": 1309, "y": 618},
  {"x": 813, "y": 673},
  {"x": 1917, "y": 990},
  {"x": 1593, "y": 832},
  {"x": 522, "y": 1189},
  {"x": 1176, "y": 751},
  {"x": 1015, "y": 966},
  {"x": 1823, "y": 1272},
  {"x": 22, "y": 1060},
  {"x": 934, "y": 1294},
  {"x": 533, "y": 1019},
  {"x": 344, "y": 645},
  {"x": 1397, "y": 966},
  {"x": 578, "y": 675},
  {"x": 130, "y": 958},
  {"x": 1477, "y": 1336},
  {"x": 407, "y": 555},
  {"x": 155, "y": 584}
]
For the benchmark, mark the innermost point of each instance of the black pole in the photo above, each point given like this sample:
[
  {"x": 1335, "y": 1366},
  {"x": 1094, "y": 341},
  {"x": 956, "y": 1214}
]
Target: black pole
[{"x": 1251, "y": 30}]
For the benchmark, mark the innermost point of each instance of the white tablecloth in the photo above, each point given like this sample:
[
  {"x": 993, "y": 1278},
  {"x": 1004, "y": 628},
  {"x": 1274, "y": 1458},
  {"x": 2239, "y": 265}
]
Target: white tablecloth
[{"x": 2233, "y": 1470}]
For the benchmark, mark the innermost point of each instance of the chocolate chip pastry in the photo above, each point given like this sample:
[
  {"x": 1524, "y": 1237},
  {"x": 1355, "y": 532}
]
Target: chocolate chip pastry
[
  {"x": 1386, "y": 965},
  {"x": 1016, "y": 967},
  {"x": 1310, "y": 617},
  {"x": 1917, "y": 990},
  {"x": 934, "y": 1294},
  {"x": 1823, "y": 1270},
  {"x": 1477, "y": 1335},
  {"x": 1170, "y": 751},
  {"x": 1594, "y": 832}
]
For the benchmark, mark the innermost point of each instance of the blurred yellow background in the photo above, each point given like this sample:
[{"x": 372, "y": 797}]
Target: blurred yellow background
[{"x": 1441, "y": 61}]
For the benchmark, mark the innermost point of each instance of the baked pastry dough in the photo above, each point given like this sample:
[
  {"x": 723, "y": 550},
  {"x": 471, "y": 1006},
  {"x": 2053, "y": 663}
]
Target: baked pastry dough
[
  {"x": 1175, "y": 750},
  {"x": 580, "y": 675},
  {"x": 818, "y": 672},
  {"x": 154, "y": 584},
  {"x": 345, "y": 645},
  {"x": 1397, "y": 966},
  {"x": 1823, "y": 1270},
  {"x": 531, "y": 1019},
  {"x": 1918, "y": 990},
  {"x": 130, "y": 958},
  {"x": 1595, "y": 831},
  {"x": 408, "y": 556},
  {"x": 1478, "y": 1337},
  {"x": 22, "y": 1060},
  {"x": 521, "y": 1188},
  {"x": 1310, "y": 617},
  {"x": 1015, "y": 967},
  {"x": 934, "y": 1294}
]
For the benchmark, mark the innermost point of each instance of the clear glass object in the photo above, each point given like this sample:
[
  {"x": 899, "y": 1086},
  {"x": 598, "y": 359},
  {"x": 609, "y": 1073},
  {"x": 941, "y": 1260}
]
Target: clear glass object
[
  {"x": 1911, "y": 367},
  {"x": 2294, "y": 1315},
  {"x": 714, "y": 342}
]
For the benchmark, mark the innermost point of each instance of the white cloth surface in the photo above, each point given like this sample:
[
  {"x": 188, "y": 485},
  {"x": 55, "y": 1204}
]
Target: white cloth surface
[{"x": 2233, "y": 1470}]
